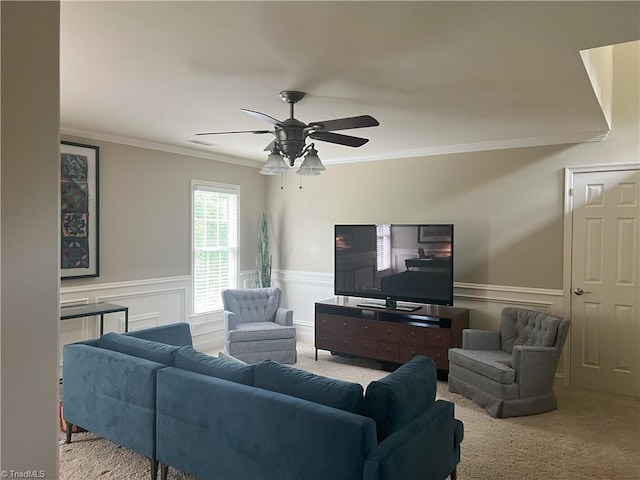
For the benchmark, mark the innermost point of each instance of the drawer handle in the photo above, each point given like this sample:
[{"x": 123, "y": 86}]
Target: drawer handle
[
  {"x": 344, "y": 325},
  {"x": 366, "y": 347},
  {"x": 344, "y": 342},
  {"x": 324, "y": 338},
  {"x": 438, "y": 338},
  {"x": 413, "y": 334},
  {"x": 324, "y": 322},
  {"x": 438, "y": 357},
  {"x": 413, "y": 353},
  {"x": 388, "y": 349},
  {"x": 366, "y": 327},
  {"x": 388, "y": 331}
]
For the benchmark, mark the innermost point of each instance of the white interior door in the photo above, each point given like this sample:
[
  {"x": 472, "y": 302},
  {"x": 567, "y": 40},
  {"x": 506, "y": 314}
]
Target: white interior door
[{"x": 605, "y": 315}]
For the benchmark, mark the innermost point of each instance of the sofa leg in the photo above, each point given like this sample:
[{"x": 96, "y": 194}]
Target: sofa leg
[
  {"x": 454, "y": 474},
  {"x": 164, "y": 471},
  {"x": 154, "y": 468},
  {"x": 68, "y": 431}
]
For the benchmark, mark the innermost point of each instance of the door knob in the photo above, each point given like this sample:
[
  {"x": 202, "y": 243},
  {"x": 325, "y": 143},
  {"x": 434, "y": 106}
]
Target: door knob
[{"x": 579, "y": 291}]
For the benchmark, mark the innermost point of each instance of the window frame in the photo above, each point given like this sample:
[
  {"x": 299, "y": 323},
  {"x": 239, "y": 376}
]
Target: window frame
[{"x": 216, "y": 187}]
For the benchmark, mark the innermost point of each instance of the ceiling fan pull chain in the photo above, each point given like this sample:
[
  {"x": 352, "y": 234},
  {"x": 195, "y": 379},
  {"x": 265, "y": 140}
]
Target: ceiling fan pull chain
[
  {"x": 300, "y": 187},
  {"x": 282, "y": 181}
]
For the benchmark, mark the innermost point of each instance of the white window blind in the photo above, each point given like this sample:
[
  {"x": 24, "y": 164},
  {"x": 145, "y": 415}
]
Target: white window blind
[
  {"x": 383, "y": 247},
  {"x": 215, "y": 243}
]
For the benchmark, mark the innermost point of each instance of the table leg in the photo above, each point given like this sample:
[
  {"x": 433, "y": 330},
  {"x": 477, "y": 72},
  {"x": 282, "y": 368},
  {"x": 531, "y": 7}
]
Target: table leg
[
  {"x": 101, "y": 324},
  {"x": 126, "y": 320}
]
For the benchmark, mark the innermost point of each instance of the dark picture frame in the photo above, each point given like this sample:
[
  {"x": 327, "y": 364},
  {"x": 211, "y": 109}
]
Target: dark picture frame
[
  {"x": 79, "y": 210},
  {"x": 433, "y": 234}
]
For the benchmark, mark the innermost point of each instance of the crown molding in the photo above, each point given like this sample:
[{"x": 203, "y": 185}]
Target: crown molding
[
  {"x": 412, "y": 153},
  {"x": 481, "y": 146},
  {"x": 136, "y": 142}
]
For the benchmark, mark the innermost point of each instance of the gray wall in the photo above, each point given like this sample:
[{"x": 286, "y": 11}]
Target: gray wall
[
  {"x": 507, "y": 205},
  {"x": 145, "y": 210},
  {"x": 29, "y": 236}
]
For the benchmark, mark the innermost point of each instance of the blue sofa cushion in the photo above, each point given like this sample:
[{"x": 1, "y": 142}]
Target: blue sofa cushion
[
  {"x": 291, "y": 381},
  {"x": 138, "y": 347},
  {"x": 401, "y": 396},
  {"x": 189, "y": 359}
]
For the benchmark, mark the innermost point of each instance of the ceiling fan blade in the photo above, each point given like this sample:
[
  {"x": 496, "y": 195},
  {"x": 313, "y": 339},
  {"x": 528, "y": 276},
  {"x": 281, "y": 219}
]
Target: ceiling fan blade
[
  {"x": 237, "y": 131},
  {"x": 338, "y": 138},
  {"x": 262, "y": 116},
  {"x": 346, "y": 123},
  {"x": 269, "y": 147}
]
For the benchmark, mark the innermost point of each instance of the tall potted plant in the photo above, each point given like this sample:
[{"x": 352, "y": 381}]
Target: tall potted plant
[{"x": 263, "y": 259}]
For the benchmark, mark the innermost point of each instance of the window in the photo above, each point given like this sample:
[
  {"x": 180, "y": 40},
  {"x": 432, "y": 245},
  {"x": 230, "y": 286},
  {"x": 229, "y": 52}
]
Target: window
[
  {"x": 383, "y": 247},
  {"x": 214, "y": 234}
]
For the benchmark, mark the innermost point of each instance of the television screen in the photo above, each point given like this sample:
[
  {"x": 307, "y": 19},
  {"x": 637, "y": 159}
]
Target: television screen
[{"x": 412, "y": 263}]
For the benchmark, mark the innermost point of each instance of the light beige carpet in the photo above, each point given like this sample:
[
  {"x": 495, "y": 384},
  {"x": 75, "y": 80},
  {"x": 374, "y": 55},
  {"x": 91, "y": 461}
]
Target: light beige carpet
[{"x": 592, "y": 435}]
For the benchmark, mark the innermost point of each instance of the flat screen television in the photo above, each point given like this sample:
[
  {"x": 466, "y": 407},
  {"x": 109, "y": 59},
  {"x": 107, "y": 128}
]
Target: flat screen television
[{"x": 406, "y": 263}]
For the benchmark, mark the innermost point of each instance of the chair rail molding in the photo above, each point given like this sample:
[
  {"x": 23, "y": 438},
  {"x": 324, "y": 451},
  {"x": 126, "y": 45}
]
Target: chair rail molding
[
  {"x": 151, "y": 302},
  {"x": 485, "y": 302}
]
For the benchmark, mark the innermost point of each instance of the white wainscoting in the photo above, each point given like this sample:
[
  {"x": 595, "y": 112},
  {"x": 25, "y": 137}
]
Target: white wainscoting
[
  {"x": 161, "y": 301},
  {"x": 151, "y": 302}
]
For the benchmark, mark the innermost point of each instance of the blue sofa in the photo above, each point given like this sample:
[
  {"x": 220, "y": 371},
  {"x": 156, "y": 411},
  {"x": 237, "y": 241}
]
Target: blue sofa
[{"x": 220, "y": 419}]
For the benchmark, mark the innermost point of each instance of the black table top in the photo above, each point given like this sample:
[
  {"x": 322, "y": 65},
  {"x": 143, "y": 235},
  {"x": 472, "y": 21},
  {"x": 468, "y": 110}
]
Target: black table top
[{"x": 78, "y": 311}]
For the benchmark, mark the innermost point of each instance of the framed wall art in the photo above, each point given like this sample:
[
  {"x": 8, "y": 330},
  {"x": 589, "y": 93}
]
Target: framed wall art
[{"x": 79, "y": 219}]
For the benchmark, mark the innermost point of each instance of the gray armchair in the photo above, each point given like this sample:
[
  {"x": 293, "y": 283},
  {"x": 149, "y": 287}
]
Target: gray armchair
[
  {"x": 257, "y": 328},
  {"x": 510, "y": 372}
]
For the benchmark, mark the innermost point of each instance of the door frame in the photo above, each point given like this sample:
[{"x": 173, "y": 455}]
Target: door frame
[{"x": 569, "y": 173}]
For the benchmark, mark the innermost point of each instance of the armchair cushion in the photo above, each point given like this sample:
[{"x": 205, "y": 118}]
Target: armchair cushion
[
  {"x": 527, "y": 327},
  {"x": 494, "y": 364},
  {"x": 291, "y": 381},
  {"x": 255, "y": 331},
  {"x": 189, "y": 359}
]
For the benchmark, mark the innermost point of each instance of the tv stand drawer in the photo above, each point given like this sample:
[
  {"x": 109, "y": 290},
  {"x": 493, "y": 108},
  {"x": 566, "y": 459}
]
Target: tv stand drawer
[
  {"x": 439, "y": 337},
  {"x": 389, "y": 332}
]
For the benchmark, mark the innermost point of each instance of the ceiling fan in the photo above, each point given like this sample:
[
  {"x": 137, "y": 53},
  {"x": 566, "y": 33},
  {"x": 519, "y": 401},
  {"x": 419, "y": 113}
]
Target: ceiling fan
[{"x": 291, "y": 135}]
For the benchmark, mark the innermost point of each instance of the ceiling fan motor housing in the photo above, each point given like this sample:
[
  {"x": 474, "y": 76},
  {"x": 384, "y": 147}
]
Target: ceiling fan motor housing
[{"x": 290, "y": 138}]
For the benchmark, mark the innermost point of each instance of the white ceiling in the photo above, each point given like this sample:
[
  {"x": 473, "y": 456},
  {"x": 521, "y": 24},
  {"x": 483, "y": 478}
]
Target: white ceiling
[{"x": 438, "y": 76}]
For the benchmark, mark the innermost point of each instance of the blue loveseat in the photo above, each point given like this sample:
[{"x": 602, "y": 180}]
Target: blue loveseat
[{"x": 219, "y": 419}]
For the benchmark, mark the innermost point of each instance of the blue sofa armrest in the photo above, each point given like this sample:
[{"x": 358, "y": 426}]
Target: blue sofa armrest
[
  {"x": 178, "y": 334},
  {"x": 212, "y": 427},
  {"x": 112, "y": 395},
  {"x": 421, "y": 450}
]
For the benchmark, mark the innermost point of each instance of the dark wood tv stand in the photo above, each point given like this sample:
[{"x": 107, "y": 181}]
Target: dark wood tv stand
[{"x": 390, "y": 336}]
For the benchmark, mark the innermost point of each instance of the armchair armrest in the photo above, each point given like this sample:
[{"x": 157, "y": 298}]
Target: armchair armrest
[
  {"x": 535, "y": 369},
  {"x": 284, "y": 317},
  {"x": 230, "y": 320},
  {"x": 480, "y": 339}
]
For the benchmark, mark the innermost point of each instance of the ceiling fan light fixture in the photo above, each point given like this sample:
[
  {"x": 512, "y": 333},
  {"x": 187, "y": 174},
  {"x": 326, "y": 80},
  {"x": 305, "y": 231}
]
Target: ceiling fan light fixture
[
  {"x": 275, "y": 164},
  {"x": 311, "y": 164}
]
